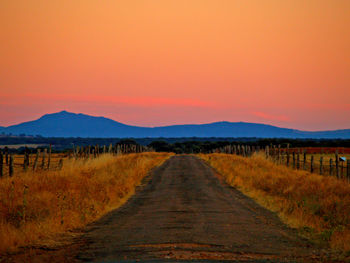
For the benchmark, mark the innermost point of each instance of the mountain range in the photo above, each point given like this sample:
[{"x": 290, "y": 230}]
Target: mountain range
[{"x": 67, "y": 124}]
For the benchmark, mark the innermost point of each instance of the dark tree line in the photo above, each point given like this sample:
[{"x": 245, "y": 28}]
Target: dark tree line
[{"x": 177, "y": 145}]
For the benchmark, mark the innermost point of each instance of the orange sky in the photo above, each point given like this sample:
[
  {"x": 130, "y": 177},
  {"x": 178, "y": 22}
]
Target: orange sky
[{"x": 159, "y": 62}]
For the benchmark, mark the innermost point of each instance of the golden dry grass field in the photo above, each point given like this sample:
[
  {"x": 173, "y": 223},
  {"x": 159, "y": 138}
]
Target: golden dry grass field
[
  {"x": 36, "y": 205},
  {"x": 319, "y": 206}
]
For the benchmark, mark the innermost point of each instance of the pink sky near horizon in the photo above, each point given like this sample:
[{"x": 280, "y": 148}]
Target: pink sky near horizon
[{"x": 163, "y": 62}]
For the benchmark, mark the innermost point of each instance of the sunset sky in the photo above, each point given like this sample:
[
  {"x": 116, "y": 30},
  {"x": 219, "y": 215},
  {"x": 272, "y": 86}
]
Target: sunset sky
[{"x": 162, "y": 62}]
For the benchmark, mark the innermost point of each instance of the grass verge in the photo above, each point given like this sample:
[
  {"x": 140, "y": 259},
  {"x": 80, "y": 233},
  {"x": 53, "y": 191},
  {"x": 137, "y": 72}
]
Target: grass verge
[
  {"x": 319, "y": 206},
  {"x": 37, "y": 205}
]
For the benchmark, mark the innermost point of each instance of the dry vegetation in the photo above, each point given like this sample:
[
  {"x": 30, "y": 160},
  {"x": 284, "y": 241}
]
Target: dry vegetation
[
  {"x": 319, "y": 206},
  {"x": 41, "y": 204}
]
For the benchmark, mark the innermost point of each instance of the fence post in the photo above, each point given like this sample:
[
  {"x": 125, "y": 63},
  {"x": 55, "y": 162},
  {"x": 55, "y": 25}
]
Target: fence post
[
  {"x": 298, "y": 160},
  {"x": 11, "y": 165},
  {"x": 293, "y": 160},
  {"x": 43, "y": 159},
  {"x": 288, "y": 155},
  {"x": 304, "y": 161},
  {"x": 312, "y": 164},
  {"x": 1, "y": 164},
  {"x": 279, "y": 154},
  {"x": 25, "y": 160},
  {"x": 36, "y": 160},
  {"x": 6, "y": 155},
  {"x": 341, "y": 169},
  {"x": 348, "y": 170},
  {"x": 331, "y": 167},
  {"x": 267, "y": 152},
  {"x": 49, "y": 159},
  {"x": 60, "y": 164},
  {"x": 321, "y": 165},
  {"x": 337, "y": 164}
]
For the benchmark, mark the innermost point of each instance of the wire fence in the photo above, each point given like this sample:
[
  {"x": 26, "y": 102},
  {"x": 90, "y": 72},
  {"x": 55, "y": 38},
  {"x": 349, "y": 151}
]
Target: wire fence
[
  {"x": 332, "y": 161},
  {"x": 43, "y": 159}
]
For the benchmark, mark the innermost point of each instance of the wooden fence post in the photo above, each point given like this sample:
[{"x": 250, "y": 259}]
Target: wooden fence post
[
  {"x": 25, "y": 160},
  {"x": 77, "y": 150},
  {"x": 321, "y": 165},
  {"x": 312, "y": 164},
  {"x": 43, "y": 159},
  {"x": 337, "y": 165},
  {"x": 304, "y": 161},
  {"x": 1, "y": 164},
  {"x": 330, "y": 167},
  {"x": 298, "y": 160},
  {"x": 288, "y": 156},
  {"x": 348, "y": 170},
  {"x": 11, "y": 165},
  {"x": 49, "y": 158},
  {"x": 293, "y": 160},
  {"x": 36, "y": 160},
  {"x": 267, "y": 152},
  {"x": 6, "y": 155},
  {"x": 60, "y": 164},
  {"x": 341, "y": 169}
]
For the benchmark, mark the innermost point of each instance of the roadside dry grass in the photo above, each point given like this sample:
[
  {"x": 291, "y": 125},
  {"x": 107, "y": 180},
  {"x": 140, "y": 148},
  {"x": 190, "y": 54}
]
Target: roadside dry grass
[
  {"x": 38, "y": 205},
  {"x": 319, "y": 206}
]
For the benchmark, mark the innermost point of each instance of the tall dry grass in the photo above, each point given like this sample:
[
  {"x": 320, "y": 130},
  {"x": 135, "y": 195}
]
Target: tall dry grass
[
  {"x": 37, "y": 205},
  {"x": 319, "y": 206}
]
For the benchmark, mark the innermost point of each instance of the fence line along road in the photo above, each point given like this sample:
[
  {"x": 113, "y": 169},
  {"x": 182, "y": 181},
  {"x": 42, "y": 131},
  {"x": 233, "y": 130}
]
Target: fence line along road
[
  {"x": 298, "y": 158},
  {"x": 43, "y": 158}
]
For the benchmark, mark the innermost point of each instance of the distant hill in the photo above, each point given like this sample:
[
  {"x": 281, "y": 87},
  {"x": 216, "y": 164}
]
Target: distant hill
[{"x": 66, "y": 124}]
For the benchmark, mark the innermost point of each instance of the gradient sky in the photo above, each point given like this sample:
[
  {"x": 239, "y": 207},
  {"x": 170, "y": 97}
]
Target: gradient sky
[{"x": 160, "y": 62}]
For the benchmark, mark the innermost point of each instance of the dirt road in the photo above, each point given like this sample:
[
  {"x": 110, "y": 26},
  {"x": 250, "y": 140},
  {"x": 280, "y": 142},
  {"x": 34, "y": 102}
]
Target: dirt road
[{"x": 185, "y": 212}]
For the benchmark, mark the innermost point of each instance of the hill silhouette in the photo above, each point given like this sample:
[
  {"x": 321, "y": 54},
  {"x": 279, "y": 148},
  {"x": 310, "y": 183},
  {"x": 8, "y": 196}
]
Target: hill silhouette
[{"x": 67, "y": 124}]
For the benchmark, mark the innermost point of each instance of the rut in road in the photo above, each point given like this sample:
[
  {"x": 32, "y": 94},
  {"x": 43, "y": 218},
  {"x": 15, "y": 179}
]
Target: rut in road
[{"x": 185, "y": 211}]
